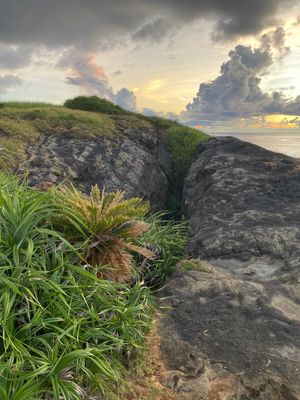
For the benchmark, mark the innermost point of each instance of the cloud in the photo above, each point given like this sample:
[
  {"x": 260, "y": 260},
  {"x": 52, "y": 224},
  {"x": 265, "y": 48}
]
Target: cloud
[
  {"x": 236, "y": 92},
  {"x": 126, "y": 99},
  {"x": 8, "y": 82},
  {"x": 14, "y": 57},
  {"x": 151, "y": 113},
  {"x": 276, "y": 40},
  {"x": 154, "y": 31},
  {"x": 91, "y": 24},
  {"x": 117, "y": 73},
  {"x": 83, "y": 71}
]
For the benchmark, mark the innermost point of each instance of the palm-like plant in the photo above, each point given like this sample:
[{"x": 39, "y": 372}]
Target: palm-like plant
[{"x": 107, "y": 225}]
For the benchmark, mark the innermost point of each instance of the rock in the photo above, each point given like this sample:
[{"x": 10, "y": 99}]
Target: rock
[
  {"x": 233, "y": 332},
  {"x": 133, "y": 160},
  {"x": 226, "y": 338},
  {"x": 243, "y": 201}
]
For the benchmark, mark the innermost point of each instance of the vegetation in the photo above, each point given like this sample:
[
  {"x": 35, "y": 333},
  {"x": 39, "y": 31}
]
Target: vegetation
[
  {"x": 105, "y": 224},
  {"x": 84, "y": 116},
  {"x": 23, "y": 123},
  {"x": 65, "y": 333},
  {"x": 193, "y": 264},
  {"x": 166, "y": 239},
  {"x": 96, "y": 104},
  {"x": 182, "y": 141}
]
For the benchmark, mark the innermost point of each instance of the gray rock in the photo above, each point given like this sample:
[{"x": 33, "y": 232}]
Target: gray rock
[
  {"x": 243, "y": 201},
  {"x": 234, "y": 333},
  {"x": 231, "y": 339},
  {"x": 134, "y": 160}
]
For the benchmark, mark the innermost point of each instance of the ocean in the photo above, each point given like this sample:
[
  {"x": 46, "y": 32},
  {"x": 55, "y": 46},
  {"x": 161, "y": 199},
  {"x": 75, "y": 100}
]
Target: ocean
[{"x": 287, "y": 143}]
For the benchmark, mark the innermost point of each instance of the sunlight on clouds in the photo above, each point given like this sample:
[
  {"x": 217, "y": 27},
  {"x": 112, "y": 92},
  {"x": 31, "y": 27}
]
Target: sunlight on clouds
[
  {"x": 270, "y": 122},
  {"x": 154, "y": 85}
]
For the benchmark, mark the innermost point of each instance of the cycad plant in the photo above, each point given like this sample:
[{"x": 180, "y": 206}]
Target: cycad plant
[
  {"x": 107, "y": 225},
  {"x": 64, "y": 333}
]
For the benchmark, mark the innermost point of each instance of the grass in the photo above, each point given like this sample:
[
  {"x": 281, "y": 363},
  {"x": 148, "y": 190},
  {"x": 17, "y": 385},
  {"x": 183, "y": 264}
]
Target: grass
[
  {"x": 66, "y": 334},
  {"x": 192, "y": 264},
  {"x": 95, "y": 104},
  {"x": 83, "y": 116},
  {"x": 24, "y": 123},
  {"x": 182, "y": 141},
  {"x": 166, "y": 238}
]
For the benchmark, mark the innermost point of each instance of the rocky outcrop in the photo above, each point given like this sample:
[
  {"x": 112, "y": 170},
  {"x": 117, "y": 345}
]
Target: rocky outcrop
[
  {"x": 232, "y": 332},
  {"x": 227, "y": 338},
  {"x": 243, "y": 201},
  {"x": 133, "y": 160}
]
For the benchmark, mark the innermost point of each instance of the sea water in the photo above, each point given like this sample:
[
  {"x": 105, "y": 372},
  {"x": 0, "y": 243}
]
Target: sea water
[{"x": 287, "y": 143}]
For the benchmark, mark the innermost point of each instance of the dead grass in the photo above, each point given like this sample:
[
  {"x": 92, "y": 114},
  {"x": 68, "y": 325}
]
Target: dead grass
[{"x": 146, "y": 382}]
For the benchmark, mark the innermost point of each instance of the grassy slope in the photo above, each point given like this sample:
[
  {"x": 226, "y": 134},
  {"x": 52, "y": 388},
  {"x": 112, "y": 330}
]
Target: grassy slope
[{"x": 23, "y": 123}]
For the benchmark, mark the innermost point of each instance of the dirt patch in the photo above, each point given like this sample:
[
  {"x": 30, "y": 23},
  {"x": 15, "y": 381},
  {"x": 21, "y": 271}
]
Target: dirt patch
[{"x": 149, "y": 382}]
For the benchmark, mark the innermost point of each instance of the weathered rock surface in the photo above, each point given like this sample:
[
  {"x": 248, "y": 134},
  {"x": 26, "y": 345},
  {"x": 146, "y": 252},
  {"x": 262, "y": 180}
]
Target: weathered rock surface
[
  {"x": 226, "y": 338},
  {"x": 234, "y": 333},
  {"x": 133, "y": 160},
  {"x": 243, "y": 201}
]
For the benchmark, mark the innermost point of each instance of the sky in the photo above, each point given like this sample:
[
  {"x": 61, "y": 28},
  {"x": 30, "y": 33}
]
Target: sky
[{"x": 221, "y": 66}]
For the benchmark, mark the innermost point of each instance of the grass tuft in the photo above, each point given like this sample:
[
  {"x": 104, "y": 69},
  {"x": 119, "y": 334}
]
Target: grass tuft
[{"x": 65, "y": 333}]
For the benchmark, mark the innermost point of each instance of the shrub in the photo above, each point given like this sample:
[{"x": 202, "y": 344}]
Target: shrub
[
  {"x": 94, "y": 103},
  {"x": 63, "y": 330}
]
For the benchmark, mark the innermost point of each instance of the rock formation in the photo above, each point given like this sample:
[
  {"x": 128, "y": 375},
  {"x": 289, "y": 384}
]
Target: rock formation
[
  {"x": 232, "y": 332},
  {"x": 133, "y": 160},
  {"x": 241, "y": 201}
]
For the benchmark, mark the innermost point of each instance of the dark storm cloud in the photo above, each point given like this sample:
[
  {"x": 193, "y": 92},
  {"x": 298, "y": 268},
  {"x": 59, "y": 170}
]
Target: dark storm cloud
[
  {"x": 92, "y": 23},
  {"x": 14, "y": 57},
  {"x": 276, "y": 40},
  {"x": 8, "y": 82},
  {"x": 236, "y": 91},
  {"x": 155, "y": 30}
]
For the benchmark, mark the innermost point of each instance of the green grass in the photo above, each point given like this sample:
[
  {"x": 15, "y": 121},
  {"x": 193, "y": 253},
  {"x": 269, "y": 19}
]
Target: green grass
[
  {"x": 95, "y": 104},
  {"x": 192, "y": 264},
  {"x": 24, "y": 123},
  {"x": 25, "y": 104},
  {"x": 182, "y": 141},
  {"x": 65, "y": 334},
  {"x": 166, "y": 238}
]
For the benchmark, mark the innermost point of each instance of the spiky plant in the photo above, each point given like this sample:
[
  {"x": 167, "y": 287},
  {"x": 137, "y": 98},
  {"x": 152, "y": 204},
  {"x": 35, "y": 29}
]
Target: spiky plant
[
  {"x": 107, "y": 224},
  {"x": 63, "y": 331}
]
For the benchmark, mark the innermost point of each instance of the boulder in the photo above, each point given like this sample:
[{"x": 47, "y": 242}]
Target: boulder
[
  {"x": 232, "y": 331},
  {"x": 241, "y": 202},
  {"x": 226, "y": 338},
  {"x": 133, "y": 160}
]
